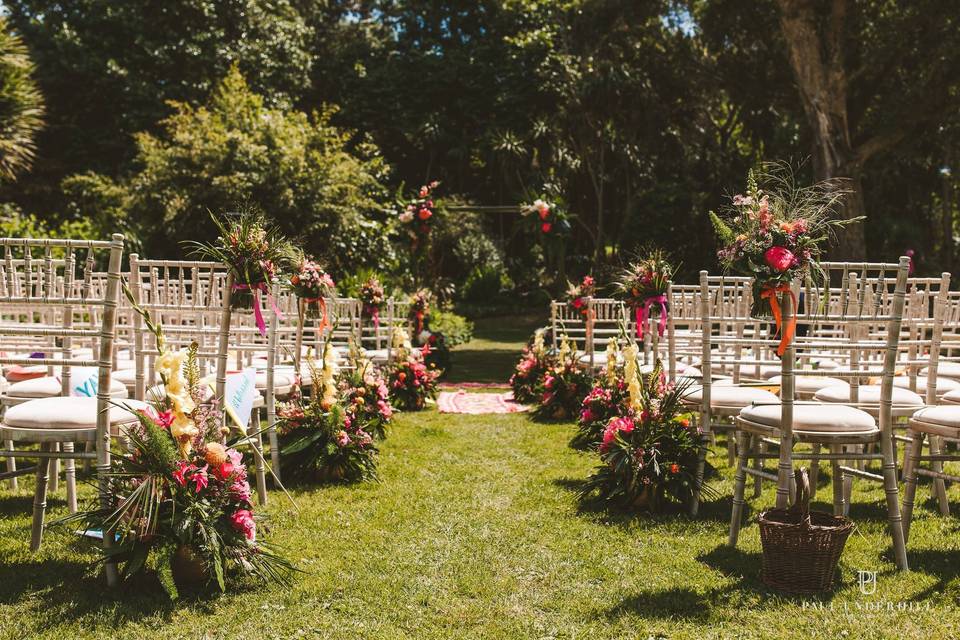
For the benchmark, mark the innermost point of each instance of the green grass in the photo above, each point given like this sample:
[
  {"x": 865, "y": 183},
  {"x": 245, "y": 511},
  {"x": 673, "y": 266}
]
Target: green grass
[
  {"x": 474, "y": 532},
  {"x": 494, "y": 350}
]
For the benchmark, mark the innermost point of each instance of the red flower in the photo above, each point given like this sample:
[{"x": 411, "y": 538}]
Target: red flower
[
  {"x": 424, "y": 214},
  {"x": 674, "y": 468},
  {"x": 544, "y": 213},
  {"x": 545, "y": 227},
  {"x": 779, "y": 258},
  {"x": 223, "y": 471},
  {"x": 577, "y": 303}
]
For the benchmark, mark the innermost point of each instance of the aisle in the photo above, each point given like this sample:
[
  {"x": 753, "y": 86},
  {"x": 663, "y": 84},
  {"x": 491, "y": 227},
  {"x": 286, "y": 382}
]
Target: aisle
[{"x": 494, "y": 350}]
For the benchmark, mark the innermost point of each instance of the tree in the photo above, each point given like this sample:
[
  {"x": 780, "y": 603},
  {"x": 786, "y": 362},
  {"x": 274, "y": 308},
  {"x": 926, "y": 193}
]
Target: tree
[
  {"x": 869, "y": 75},
  {"x": 21, "y": 105},
  {"x": 305, "y": 174},
  {"x": 108, "y": 70}
]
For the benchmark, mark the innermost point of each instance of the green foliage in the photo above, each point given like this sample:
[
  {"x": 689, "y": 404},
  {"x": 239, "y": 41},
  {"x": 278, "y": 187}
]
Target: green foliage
[
  {"x": 21, "y": 105},
  {"x": 308, "y": 177},
  {"x": 455, "y": 328},
  {"x": 14, "y": 224}
]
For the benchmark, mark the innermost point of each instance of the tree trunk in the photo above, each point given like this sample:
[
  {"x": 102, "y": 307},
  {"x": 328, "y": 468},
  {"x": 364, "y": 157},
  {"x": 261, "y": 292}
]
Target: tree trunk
[{"x": 816, "y": 56}]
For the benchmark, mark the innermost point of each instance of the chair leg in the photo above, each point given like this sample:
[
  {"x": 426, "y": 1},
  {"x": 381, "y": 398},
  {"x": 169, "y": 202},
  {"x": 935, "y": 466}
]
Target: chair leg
[
  {"x": 70, "y": 467},
  {"x": 698, "y": 474},
  {"x": 759, "y": 447},
  {"x": 87, "y": 463},
  {"x": 739, "y": 485},
  {"x": 40, "y": 500},
  {"x": 910, "y": 481},
  {"x": 258, "y": 462},
  {"x": 892, "y": 492},
  {"x": 939, "y": 486},
  {"x": 837, "y": 482},
  {"x": 54, "y": 470},
  {"x": 732, "y": 444},
  {"x": 274, "y": 446},
  {"x": 12, "y": 467},
  {"x": 815, "y": 470}
]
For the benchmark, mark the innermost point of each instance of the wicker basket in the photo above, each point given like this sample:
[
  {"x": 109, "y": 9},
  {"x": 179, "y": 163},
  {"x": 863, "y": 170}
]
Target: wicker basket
[{"x": 801, "y": 548}]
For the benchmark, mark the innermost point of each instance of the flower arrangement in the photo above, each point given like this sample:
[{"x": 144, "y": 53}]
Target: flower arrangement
[
  {"x": 578, "y": 295},
  {"x": 651, "y": 452},
  {"x": 563, "y": 386},
  {"x": 178, "y": 495},
  {"x": 372, "y": 297},
  {"x": 608, "y": 399},
  {"x": 420, "y": 309},
  {"x": 643, "y": 285},
  {"x": 531, "y": 369},
  {"x": 410, "y": 380},
  {"x": 549, "y": 219},
  {"x": 776, "y": 234},
  {"x": 255, "y": 252},
  {"x": 418, "y": 214},
  {"x": 313, "y": 286},
  {"x": 320, "y": 439},
  {"x": 365, "y": 397}
]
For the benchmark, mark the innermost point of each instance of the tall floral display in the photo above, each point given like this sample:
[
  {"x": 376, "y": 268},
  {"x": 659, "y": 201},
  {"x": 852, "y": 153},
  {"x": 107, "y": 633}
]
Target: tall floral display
[
  {"x": 417, "y": 218},
  {"x": 609, "y": 398},
  {"x": 651, "y": 452},
  {"x": 313, "y": 286},
  {"x": 776, "y": 234},
  {"x": 179, "y": 498},
  {"x": 410, "y": 379},
  {"x": 320, "y": 438},
  {"x": 643, "y": 287},
  {"x": 255, "y": 252},
  {"x": 528, "y": 373},
  {"x": 549, "y": 224},
  {"x": 372, "y": 299}
]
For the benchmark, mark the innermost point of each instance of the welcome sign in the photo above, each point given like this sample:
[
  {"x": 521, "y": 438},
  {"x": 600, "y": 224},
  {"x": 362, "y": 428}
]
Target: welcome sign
[{"x": 239, "y": 394}]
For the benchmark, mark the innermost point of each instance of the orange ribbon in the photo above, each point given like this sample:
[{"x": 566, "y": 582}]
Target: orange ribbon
[
  {"x": 322, "y": 312},
  {"x": 769, "y": 292}
]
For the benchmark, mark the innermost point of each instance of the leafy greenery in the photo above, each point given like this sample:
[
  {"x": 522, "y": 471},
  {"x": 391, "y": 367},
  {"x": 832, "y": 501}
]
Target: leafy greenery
[{"x": 21, "y": 105}]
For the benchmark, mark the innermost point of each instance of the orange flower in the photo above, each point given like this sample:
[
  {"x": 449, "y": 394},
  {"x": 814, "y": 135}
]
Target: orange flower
[
  {"x": 684, "y": 422},
  {"x": 215, "y": 454},
  {"x": 674, "y": 468},
  {"x": 424, "y": 214}
]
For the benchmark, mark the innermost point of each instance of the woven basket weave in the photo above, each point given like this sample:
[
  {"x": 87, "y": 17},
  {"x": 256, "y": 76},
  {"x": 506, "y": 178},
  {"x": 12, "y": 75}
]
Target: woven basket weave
[{"x": 801, "y": 548}]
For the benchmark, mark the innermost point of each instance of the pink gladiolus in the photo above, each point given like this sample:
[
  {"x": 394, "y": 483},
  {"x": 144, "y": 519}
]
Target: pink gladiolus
[
  {"x": 779, "y": 258},
  {"x": 242, "y": 520},
  {"x": 200, "y": 478},
  {"x": 240, "y": 491}
]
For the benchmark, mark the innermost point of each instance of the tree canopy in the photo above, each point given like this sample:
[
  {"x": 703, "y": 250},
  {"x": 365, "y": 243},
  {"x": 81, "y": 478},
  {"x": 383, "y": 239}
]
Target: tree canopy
[{"x": 643, "y": 116}]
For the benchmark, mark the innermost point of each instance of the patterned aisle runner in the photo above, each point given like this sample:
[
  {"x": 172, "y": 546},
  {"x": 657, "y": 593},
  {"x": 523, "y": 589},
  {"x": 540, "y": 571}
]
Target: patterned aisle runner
[{"x": 477, "y": 403}]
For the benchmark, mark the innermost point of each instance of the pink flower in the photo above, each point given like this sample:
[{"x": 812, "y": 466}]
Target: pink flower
[
  {"x": 242, "y": 520},
  {"x": 224, "y": 470},
  {"x": 240, "y": 491},
  {"x": 739, "y": 200},
  {"x": 779, "y": 258},
  {"x": 424, "y": 192},
  {"x": 343, "y": 439},
  {"x": 180, "y": 473},
  {"x": 586, "y": 415},
  {"x": 200, "y": 478},
  {"x": 588, "y": 281},
  {"x": 235, "y": 457},
  {"x": 616, "y": 425},
  {"x": 544, "y": 212},
  {"x": 548, "y": 382}
]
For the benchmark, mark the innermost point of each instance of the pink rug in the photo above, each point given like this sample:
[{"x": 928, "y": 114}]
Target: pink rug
[
  {"x": 477, "y": 403},
  {"x": 473, "y": 385}
]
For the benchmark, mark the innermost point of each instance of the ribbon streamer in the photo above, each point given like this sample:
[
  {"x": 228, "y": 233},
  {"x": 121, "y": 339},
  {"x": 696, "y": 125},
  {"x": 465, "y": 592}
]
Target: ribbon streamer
[
  {"x": 256, "y": 290},
  {"x": 769, "y": 292},
  {"x": 322, "y": 311},
  {"x": 643, "y": 312}
]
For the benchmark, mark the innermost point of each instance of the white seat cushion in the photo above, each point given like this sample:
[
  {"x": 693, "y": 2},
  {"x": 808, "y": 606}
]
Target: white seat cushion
[
  {"x": 814, "y": 418},
  {"x": 66, "y": 413},
  {"x": 280, "y": 379},
  {"x": 947, "y": 416},
  {"x": 946, "y": 369},
  {"x": 952, "y": 397},
  {"x": 48, "y": 387},
  {"x": 126, "y": 376},
  {"x": 811, "y": 384},
  {"x": 944, "y": 385},
  {"x": 726, "y": 395},
  {"x": 869, "y": 395}
]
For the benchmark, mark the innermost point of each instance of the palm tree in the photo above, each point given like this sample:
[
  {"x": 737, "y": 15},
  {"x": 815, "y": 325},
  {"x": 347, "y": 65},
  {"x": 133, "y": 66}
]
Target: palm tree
[{"x": 21, "y": 105}]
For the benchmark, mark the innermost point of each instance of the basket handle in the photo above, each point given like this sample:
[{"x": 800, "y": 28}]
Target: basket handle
[{"x": 802, "y": 502}]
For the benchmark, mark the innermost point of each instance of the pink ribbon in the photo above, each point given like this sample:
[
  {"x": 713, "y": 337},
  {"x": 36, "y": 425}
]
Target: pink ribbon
[
  {"x": 643, "y": 312},
  {"x": 257, "y": 289}
]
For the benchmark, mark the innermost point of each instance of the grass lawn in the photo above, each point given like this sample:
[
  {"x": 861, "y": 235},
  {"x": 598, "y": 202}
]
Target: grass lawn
[
  {"x": 494, "y": 350},
  {"x": 474, "y": 532}
]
